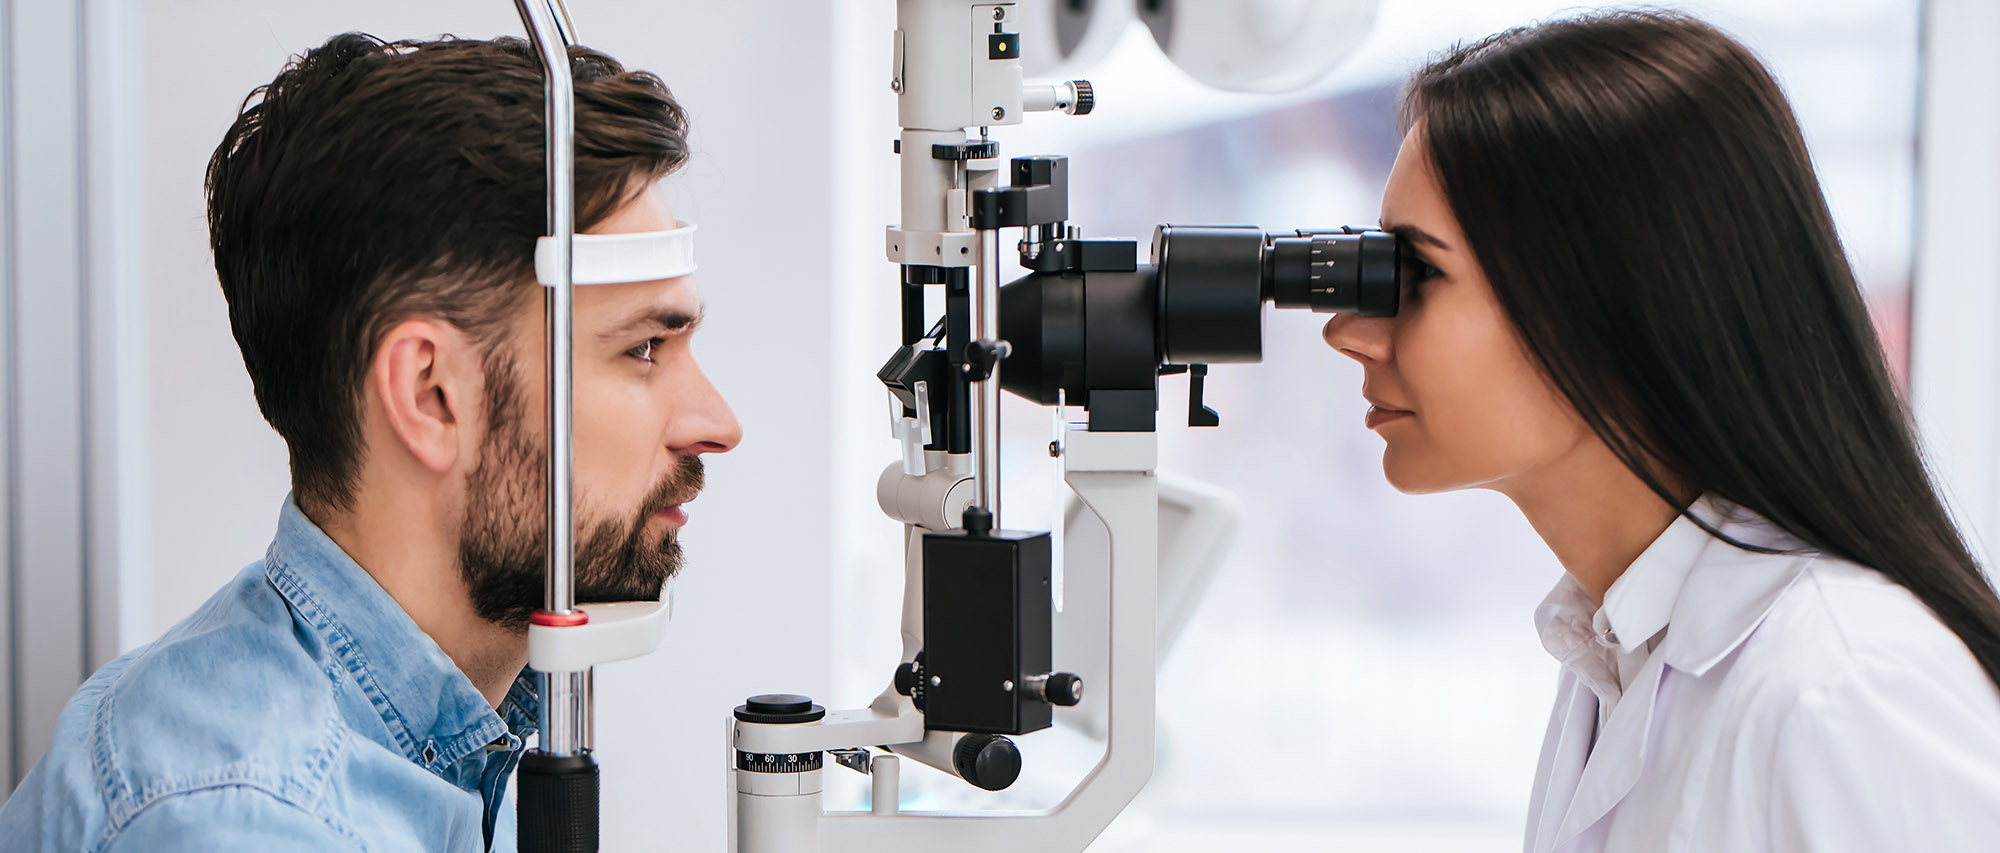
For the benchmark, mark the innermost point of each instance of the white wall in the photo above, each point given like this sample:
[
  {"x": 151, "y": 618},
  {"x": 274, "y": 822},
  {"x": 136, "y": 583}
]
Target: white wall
[
  {"x": 757, "y": 77},
  {"x": 1954, "y": 353}
]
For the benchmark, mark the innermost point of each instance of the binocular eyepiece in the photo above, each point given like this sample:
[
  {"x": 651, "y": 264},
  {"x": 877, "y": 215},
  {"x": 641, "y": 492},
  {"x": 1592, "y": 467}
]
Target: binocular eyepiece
[
  {"x": 1348, "y": 271},
  {"x": 1214, "y": 280},
  {"x": 1098, "y": 329}
]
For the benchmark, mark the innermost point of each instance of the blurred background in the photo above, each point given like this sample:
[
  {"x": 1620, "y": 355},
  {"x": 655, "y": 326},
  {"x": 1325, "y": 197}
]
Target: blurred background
[{"x": 1363, "y": 672}]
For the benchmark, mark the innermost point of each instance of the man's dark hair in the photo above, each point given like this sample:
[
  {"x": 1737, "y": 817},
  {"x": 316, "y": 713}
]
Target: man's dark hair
[{"x": 371, "y": 182}]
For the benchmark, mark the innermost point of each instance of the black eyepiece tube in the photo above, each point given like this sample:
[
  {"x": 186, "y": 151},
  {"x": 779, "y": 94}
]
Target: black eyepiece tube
[
  {"x": 1211, "y": 293},
  {"x": 1350, "y": 271}
]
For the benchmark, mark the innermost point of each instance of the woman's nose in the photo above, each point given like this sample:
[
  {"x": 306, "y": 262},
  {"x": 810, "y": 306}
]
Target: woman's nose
[{"x": 1364, "y": 339}]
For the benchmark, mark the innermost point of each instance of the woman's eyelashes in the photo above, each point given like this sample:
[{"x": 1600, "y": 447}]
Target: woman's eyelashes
[{"x": 1416, "y": 271}]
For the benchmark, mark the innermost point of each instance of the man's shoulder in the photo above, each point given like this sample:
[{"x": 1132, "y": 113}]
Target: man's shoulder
[{"x": 228, "y": 698}]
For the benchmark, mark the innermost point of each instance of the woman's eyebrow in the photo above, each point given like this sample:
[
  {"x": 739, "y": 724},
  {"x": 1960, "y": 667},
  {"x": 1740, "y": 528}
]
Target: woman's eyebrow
[{"x": 1413, "y": 234}]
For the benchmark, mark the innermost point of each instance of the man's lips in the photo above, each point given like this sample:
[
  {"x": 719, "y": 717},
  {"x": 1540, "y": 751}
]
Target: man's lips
[{"x": 675, "y": 515}]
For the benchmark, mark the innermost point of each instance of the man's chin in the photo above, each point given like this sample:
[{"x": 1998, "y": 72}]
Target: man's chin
[
  {"x": 613, "y": 596},
  {"x": 644, "y": 581}
]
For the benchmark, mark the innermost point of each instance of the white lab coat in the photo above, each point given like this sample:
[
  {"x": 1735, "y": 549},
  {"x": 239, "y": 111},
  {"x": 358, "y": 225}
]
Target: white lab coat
[{"x": 1793, "y": 703}]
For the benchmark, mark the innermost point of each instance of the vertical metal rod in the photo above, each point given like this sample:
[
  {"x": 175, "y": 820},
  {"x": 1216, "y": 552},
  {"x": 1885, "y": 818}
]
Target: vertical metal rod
[
  {"x": 564, "y": 26},
  {"x": 986, "y": 399},
  {"x": 561, "y": 712}
]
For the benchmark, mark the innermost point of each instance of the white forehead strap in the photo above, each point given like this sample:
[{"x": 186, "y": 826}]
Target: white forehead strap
[{"x": 621, "y": 258}]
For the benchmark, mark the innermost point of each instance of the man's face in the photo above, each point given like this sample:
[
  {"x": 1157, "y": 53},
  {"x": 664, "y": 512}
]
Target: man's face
[{"x": 644, "y": 414}]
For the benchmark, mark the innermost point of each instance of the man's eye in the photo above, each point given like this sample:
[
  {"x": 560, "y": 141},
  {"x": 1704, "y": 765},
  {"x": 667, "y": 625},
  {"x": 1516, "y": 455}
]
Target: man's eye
[{"x": 644, "y": 351}]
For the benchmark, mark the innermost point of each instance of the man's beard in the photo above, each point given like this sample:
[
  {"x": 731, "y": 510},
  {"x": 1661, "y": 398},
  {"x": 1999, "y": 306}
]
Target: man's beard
[{"x": 503, "y": 538}]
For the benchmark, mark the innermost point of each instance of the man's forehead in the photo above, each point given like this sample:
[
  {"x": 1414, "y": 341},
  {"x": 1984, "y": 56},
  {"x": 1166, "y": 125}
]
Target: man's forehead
[
  {"x": 621, "y": 303},
  {"x": 612, "y": 307},
  {"x": 647, "y": 211}
]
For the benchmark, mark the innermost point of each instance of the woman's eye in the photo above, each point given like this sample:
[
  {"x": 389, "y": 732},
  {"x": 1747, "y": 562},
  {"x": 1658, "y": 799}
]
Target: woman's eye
[
  {"x": 1415, "y": 270},
  {"x": 644, "y": 351},
  {"x": 1415, "y": 273}
]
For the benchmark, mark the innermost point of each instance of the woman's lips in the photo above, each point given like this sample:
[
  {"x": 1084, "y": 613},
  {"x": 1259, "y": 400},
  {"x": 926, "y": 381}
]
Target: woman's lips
[{"x": 1378, "y": 415}]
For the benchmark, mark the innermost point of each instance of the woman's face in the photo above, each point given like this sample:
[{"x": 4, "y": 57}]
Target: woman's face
[{"x": 1454, "y": 392}]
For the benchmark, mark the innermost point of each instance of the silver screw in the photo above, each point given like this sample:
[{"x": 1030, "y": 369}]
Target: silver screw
[
  {"x": 999, "y": 14},
  {"x": 999, "y": 113},
  {"x": 935, "y": 681},
  {"x": 1055, "y": 449},
  {"x": 1007, "y": 685}
]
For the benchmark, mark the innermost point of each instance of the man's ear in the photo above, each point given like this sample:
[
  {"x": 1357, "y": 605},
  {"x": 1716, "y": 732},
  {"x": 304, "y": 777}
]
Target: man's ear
[{"x": 423, "y": 379}]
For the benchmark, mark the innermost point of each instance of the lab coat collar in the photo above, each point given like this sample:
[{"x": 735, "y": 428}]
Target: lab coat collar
[
  {"x": 1726, "y": 594},
  {"x": 1730, "y": 590},
  {"x": 1640, "y": 603}
]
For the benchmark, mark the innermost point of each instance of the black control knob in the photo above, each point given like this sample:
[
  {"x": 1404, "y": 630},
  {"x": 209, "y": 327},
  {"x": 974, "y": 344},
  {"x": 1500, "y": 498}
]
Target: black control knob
[
  {"x": 1063, "y": 689},
  {"x": 779, "y": 708},
  {"x": 910, "y": 681},
  {"x": 1086, "y": 98},
  {"x": 988, "y": 761}
]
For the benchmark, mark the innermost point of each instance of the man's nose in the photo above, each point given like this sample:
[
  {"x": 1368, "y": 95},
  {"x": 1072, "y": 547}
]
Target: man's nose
[
  {"x": 1364, "y": 339},
  {"x": 704, "y": 423}
]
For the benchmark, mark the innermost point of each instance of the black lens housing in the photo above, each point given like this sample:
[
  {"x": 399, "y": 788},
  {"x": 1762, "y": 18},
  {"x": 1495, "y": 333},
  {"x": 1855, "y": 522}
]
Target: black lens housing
[
  {"x": 1349, "y": 271},
  {"x": 1097, "y": 329},
  {"x": 1211, "y": 290}
]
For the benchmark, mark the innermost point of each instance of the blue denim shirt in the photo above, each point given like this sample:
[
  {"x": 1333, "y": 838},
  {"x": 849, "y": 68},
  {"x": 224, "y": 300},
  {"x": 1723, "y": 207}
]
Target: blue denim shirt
[{"x": 299, "y": 709}]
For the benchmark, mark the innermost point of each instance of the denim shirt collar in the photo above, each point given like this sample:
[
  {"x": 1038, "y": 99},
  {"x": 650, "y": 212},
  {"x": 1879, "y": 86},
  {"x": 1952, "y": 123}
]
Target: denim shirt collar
[{"x": 432, "y": 711}]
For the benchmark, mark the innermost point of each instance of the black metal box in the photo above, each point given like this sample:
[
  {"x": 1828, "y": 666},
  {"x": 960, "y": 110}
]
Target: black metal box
[{"x": 986, "y": 629}]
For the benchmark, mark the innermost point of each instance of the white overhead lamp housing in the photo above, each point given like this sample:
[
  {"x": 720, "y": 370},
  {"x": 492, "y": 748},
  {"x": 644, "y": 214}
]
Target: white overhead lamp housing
[
  {"x": 1063, "y": 38},
  {"x": 1257, "y": 45}
]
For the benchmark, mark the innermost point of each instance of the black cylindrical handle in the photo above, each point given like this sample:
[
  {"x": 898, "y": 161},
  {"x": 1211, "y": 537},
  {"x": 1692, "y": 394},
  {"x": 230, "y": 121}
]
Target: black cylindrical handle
[
  {"x": 987, "y": 761},
  {"x": 1063, "y": 689},
  {"x": 558, "y": 806}
]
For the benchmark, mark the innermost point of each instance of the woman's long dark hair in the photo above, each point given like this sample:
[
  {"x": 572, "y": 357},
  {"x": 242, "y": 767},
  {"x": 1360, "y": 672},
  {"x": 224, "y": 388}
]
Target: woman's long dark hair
[{"x": 1637, "y": 190}]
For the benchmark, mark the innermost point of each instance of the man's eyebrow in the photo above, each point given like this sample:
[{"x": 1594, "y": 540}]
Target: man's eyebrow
[
  {"x": 658, "y": 317},
  {"x": 1413, "y": 234}
]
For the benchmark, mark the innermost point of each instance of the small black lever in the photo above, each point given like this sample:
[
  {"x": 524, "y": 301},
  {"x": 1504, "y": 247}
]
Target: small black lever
[{"x": 1198, "y": 414}]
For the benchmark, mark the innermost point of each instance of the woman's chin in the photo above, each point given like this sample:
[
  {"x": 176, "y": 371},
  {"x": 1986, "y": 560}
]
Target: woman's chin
[{"x": 1413, "y": 477}]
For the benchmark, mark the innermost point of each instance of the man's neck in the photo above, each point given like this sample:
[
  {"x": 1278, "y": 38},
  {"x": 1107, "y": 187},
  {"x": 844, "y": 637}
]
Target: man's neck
[{"x": 403, "y": 544}]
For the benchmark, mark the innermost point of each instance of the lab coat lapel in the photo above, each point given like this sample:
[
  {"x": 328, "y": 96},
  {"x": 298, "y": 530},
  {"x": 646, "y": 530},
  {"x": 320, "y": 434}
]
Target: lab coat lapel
[
  {"x": 1571, "y": 725},
  {"x": 1726, "y": 596},
  {"x": 1618, "y": 757}
]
